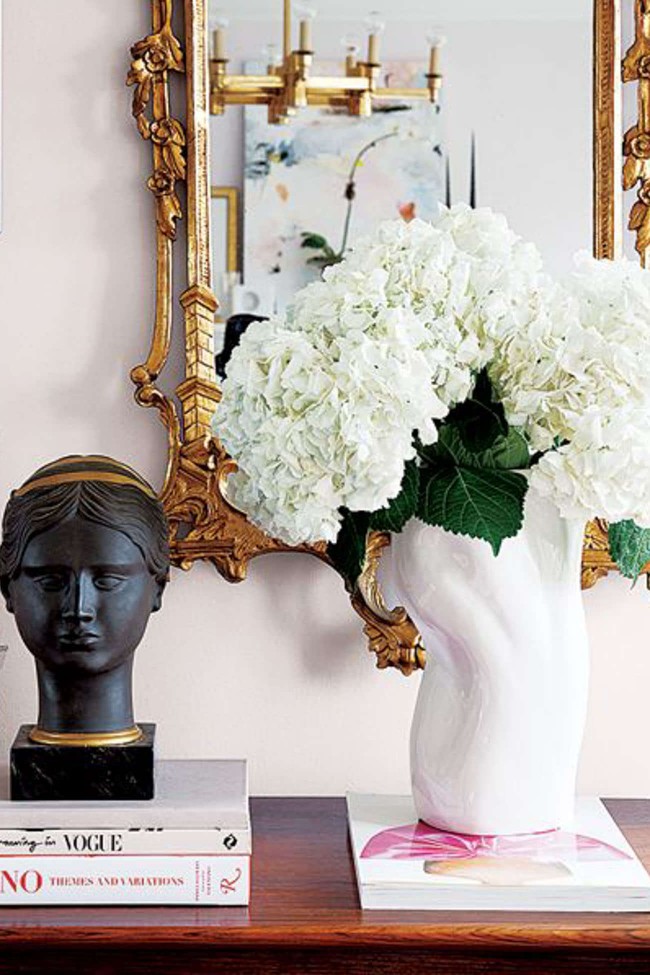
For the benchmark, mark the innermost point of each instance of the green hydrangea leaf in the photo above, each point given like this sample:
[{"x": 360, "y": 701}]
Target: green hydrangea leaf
[
  {"x": 479, "y": 424},
  {"x": 401, "y": 508},
  {"x": 348, "y": 552},
  {"x": 317, "y": 241},
  {"x": 507, "y": 452},
  {"x": 630, "y": 547},
  {"x": 479, "y": 420},
  {"x": 487, "y": 504}
]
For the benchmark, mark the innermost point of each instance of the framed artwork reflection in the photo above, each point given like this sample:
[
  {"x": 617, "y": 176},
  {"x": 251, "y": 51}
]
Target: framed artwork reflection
[
  {"x": 224, "y": 206},
  {"x": 224, "y": 224}
]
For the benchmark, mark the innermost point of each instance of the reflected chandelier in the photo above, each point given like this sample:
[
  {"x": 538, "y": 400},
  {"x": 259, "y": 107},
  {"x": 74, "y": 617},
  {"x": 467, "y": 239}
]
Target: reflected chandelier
[{"x": 288, "y": 84}]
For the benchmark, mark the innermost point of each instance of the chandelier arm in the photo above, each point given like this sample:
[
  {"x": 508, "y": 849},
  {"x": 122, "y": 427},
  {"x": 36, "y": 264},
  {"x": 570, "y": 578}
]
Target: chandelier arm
[
  {"x": 287, "y": 29},
  {"x": 248, "y": 82},
  {"x": 419, "y": 93}
]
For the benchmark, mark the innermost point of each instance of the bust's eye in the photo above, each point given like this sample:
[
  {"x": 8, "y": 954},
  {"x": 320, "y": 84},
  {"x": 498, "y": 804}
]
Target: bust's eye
[
  {"x": 106, "y": 581},
  {"x": 51, "y": 583}
]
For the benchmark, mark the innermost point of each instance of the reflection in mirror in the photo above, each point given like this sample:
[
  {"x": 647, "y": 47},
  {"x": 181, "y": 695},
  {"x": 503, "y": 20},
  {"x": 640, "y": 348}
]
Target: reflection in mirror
[{"x": 513, "y": 81}]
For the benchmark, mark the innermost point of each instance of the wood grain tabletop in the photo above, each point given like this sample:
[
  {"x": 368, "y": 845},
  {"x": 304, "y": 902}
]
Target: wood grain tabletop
[{"x": 304, "y": 916}]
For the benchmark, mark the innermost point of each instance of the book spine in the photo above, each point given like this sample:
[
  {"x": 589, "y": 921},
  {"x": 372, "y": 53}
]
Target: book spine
[
  {"x": 66, "y": 842},
  {"x": 146, "y": 880}
]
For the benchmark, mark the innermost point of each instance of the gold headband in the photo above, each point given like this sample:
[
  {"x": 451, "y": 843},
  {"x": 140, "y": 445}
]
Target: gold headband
[{"x": 45, "y": 480}]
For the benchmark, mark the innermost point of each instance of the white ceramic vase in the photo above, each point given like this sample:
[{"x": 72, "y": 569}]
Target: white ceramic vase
[{"x": 501, "y": 710}]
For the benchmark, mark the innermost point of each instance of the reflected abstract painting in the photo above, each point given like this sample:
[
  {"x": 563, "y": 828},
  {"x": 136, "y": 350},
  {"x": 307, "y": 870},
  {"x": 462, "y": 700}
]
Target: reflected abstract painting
[{"x": 316, "y": 185}]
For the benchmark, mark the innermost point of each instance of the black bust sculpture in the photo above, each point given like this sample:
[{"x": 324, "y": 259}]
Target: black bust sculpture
[{"x": 84, "y": 560}]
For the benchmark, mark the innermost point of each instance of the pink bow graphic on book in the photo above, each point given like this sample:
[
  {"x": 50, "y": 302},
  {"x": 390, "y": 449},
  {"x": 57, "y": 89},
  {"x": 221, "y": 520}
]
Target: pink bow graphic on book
[{"x": 417, "y": 841}]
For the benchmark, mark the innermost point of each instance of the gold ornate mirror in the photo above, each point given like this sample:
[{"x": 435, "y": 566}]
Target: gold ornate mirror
[{"x": 507, "y": 100}]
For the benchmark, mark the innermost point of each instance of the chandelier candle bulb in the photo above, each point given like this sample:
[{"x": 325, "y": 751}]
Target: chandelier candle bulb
[
  {"x": 305, "y": 35},
  {"x": 272, "y": 56},
  {"x": 219, "y": 44},
  {"x": 375, "y": 25},
  {"x": 437, "y": 40},
  {"x": 373, "y": 48},
  {"x": 434, "y": 59},
  {"x": 351, "y": 45}
]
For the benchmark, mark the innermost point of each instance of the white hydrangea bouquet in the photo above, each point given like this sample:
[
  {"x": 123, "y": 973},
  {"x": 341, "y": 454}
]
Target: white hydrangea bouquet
[{"x": 439, "y": 373}]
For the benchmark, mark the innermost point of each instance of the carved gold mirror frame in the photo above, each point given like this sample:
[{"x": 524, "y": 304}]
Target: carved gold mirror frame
[{"x": 203, "y": 524}]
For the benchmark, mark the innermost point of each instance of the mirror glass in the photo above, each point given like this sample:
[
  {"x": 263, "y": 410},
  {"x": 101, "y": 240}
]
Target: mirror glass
[{"x": 516, "y": 82}]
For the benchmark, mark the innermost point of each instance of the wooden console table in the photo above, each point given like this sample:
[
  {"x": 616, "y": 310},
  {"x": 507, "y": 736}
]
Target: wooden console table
[{"x": 304, "y": 918}]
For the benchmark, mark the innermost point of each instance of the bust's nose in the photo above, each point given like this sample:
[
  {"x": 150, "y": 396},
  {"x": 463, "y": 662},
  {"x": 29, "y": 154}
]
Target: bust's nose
[{"x": 80, "y": 604}]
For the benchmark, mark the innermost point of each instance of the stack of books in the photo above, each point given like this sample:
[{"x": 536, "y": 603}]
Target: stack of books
[
  {"x": 189, "y": 845},
  {"x": 406, "y": 865}
]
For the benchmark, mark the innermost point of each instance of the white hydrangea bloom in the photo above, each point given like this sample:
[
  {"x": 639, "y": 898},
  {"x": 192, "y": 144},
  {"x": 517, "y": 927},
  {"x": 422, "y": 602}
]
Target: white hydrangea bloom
[
  {"x": 588, "y": 348},
  {"x": 319, "y": 408},
  {"x": 529, "y": 373},
  {"x": 315, "y": 426},
  {"x": 604, "y": 472}
]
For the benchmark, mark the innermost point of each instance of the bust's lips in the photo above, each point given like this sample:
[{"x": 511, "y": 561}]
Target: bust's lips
[{"x": 83, "y": 640}]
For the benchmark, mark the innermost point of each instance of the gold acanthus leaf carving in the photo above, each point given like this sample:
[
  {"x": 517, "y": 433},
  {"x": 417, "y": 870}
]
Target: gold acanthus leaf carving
[
  {"x": 391, "y": 633},
  {"x": 591, "y": 575},
  {"x": 169, "y": 135},
  {"x": 148, "y": 395},
  {"x": 168, "y": 206},
  {"x": 153, "y": 57},
  {"x": 596, "y": 536},
  {"x": 636, "y": 63},
  {"x": 218, "y": 531},
  {"x": 636, "y": 141},
  {"x": 596, "y": 560},
  {"x": 640, "y": 219}
]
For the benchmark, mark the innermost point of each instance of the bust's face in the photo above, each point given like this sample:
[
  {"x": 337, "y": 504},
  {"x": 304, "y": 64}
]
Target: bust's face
[{"x": 82, "y": 597}]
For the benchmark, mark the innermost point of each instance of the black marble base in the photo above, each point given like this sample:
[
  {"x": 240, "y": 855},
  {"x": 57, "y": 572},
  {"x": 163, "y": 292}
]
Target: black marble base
[{"x": 82, "y": 771}]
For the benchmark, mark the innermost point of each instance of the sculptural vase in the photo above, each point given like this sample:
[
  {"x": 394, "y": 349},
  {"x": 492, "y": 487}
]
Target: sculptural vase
[{"x": 499, "y": 719}]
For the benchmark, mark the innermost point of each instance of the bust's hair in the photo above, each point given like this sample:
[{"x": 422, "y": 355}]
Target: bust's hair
[{"x": 122, "y": 507}]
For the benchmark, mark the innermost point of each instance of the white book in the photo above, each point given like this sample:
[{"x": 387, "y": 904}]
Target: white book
[
  {"x": 135, "y": 841},
  {"x": 404, "y": 864},
  {"x": 44, "y": 881},
  {"x": 200, "y": 807}
]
